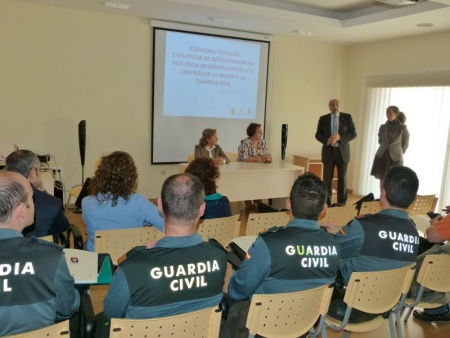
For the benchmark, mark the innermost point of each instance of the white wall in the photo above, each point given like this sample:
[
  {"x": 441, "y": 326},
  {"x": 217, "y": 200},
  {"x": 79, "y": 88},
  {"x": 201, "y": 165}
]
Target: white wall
[{"x": 60, "y": 66}]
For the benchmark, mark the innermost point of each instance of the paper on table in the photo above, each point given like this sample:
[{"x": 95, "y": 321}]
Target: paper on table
[{"x": 83, "y": 265}]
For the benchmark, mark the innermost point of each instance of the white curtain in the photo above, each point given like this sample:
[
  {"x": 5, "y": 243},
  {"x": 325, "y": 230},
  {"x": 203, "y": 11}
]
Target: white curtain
[{"x": 425, "y": 100}]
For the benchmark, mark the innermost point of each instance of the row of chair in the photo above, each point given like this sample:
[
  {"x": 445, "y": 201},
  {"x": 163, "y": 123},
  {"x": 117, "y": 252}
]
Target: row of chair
[
  {"x": 117, "y": 242},
  {"x": 296, "y": 313}
]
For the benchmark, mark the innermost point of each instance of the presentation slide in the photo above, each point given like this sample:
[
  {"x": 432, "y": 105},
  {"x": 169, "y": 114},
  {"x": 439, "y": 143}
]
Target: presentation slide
[
  {"x": 205, "y": 81},
  {"x": 212, "y": 77}
]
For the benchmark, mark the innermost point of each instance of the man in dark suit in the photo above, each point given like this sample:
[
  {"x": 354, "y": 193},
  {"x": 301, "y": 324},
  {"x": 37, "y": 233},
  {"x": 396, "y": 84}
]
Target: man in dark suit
[
  {"x": 49, "y": 216},
  {"x": 335, "y": 131}
]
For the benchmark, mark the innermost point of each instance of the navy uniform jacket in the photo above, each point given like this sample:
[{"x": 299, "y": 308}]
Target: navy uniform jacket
[
  {"x": 297, "y": 257},
  {"x": 36, "y": 288},
  {"x": 49, "y": 218},
  {"x": 178, "y": 275},
  {"x": 383, "y": 241}
]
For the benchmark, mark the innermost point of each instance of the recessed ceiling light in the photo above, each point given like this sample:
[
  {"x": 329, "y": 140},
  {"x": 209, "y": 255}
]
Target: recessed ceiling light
[
  {"x": 116, "y": 5},
  {"x": 425, "y": 24},
  {"x": 219, "y": 19},
  {"x": 303, "y": 32}
]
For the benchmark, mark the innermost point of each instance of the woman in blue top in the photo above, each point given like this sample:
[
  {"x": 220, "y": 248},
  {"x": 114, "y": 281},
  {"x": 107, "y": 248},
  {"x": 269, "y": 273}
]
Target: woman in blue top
[
  {"x": 207, "y": 172},
  {"x": 113, "y": 203}
]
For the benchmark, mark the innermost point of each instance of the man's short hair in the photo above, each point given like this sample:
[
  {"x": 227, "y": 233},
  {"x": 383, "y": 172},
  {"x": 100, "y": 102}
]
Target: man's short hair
[
  {"x": 308, "y": 196},
  {"x": 182, "y": 196},
  {"x": 401, "y": 185},
  {"x": 22, "y": 161},
  {"x": 12, "y": 193}
]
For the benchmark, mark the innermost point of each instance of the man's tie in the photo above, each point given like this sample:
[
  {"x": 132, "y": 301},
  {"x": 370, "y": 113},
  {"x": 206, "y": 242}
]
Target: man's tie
[{"x": 334, "y": 131}]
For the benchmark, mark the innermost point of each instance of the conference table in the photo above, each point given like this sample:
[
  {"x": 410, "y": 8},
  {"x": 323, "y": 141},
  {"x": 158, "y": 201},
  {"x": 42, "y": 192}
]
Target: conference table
[{"x": 242, "y": 181}]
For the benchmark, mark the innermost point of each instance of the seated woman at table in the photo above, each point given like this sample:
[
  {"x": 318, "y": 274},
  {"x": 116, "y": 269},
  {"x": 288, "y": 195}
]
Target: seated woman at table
[
  {"x": 113, "y": 203},
  {"x": 207, "y": 172},
  {"x": 254, "y": 148},
  {"x": 208, "y": 147}
]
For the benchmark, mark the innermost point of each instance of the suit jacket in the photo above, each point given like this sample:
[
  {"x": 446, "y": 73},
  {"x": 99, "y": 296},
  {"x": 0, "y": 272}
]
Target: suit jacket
[
  {"x": 397, "y": 145},
  {"x": 200, "y": 151},
  {"x": 346, "y": 131},
  {"x": 49, "y": 218}
]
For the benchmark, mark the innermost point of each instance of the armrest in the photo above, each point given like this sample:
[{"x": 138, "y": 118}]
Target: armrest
[
  {"x": 87, "y": 315},
  {"x": 225, "y": 305},
  {"x": 61, "y": 239},
  {"x": 75, "y": 232}
]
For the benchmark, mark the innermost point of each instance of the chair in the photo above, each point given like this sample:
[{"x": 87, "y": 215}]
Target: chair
[
  {"x": 289, "y": 314},
  {"x": 203, "y": 323},
  {"x": 63, "y": 239},
  {"x": 434, "y": 274},
  {"x": 422, "y": 204},
  {"x": 375, "y": 292},
  {"x": 339, "y": 215},
  {"x": 232, "y": 156},
  {"x": 370, "y": 207},
  {"x": 60, "y": 239},
  {"x": 222, "y": 229},
  {"x": 80, "y": 190},
  {"x": 261, "y": 222},
  {"x": 422, "y": 223},
  {"x": 120, "y": 241},
  {"x": 57, "y": 330}
]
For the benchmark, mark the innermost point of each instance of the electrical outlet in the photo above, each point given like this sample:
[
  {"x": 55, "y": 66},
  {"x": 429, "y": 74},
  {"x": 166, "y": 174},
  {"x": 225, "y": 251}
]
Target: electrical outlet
[
  {"x": 57, "y": 172},
  {"x": 163, "y": 172}
]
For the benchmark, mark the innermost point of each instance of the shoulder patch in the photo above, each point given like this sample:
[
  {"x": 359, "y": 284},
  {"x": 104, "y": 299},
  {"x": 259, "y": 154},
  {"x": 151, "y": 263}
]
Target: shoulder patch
[
  {"x": 272, "y": 229},
  {"x": 216, "y": 243}
]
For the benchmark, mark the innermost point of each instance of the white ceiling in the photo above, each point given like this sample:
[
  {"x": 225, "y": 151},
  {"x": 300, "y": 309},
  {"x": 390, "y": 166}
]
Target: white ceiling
[{"x": 340, "y": 21}]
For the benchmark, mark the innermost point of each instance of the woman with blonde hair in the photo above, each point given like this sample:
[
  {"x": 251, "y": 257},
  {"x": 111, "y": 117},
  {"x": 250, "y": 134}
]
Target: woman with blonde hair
[{"x": 208, "y": 147}]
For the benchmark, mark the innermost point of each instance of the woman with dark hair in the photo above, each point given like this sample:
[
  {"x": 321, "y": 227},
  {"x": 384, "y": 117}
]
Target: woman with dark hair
[
  {"x": 208, "y": 147},
  {"x": 113, "y": 202},
  {"x": 254, "y": 148},
  {"x": 393, "y": 138},
  {"x": 207, "y": 172}
]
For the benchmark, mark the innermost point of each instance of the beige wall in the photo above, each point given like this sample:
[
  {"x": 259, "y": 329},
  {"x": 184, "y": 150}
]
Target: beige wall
[{"x": 61, "y": 66}]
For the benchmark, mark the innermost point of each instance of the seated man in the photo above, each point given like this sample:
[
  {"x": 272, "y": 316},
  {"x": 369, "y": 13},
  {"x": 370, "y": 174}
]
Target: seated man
[
  {"x": 383, "y": 241},
  {"x": 49, "y": 217},
  {"x": 180, "y": 273},
  {"x": 437, "y": 232},
  {"x": 36, "y": 286},
  {"x": 295, "y": 257}
]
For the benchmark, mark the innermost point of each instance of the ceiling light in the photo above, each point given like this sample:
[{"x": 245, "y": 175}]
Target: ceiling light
[
  {"x": 303, "y": 32},
  {"x": 398, "y": 2},
  {"x": 219, "y": 19},
  {"x": 425, "y": 24},
  {"x": 117, "y": 5}
]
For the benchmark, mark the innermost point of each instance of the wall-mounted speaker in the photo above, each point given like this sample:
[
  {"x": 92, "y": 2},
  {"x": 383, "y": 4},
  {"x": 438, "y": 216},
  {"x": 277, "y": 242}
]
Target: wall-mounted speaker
[
  {"x": 284, "y": 137},
  {"x": 82, "y": 145}
]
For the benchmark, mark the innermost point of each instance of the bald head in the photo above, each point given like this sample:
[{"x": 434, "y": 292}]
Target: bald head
[
  {"x": 182, "y": 198},
  {"x": 16, "y": 201},
  {"x": 333, "y": 104}
]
